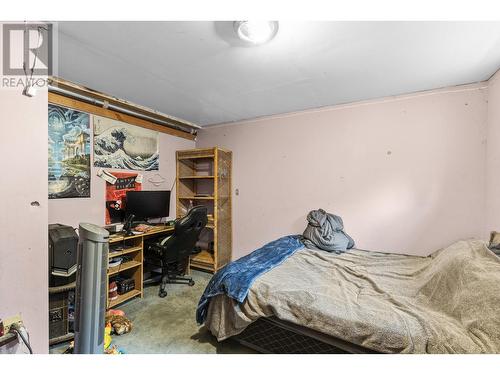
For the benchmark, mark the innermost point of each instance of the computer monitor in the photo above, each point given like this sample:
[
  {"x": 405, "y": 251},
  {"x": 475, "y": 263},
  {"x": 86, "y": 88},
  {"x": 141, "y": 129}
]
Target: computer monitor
[{"x": 148, "y": 204}]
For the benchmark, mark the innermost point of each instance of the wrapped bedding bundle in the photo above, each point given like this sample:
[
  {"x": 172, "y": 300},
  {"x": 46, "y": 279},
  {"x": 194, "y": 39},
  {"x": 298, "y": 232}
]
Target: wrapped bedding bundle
[{"x": 325, "y": 231}]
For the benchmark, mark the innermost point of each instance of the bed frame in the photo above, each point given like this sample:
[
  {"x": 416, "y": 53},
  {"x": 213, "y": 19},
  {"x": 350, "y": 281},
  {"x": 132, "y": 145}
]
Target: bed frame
[{"x": 274, "y": 336}]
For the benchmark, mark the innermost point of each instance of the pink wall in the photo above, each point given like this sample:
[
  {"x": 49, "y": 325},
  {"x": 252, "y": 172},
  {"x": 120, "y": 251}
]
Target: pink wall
[
  {"x": 493, "y": 156},
  {"x": 92, "y": 210},
  {"x": 407, "y": 173},
  {"x": 23, "y": 227}
]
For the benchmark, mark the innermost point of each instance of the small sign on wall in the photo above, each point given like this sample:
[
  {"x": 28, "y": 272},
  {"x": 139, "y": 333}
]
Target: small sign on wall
[{"x": 116, "y": 193}]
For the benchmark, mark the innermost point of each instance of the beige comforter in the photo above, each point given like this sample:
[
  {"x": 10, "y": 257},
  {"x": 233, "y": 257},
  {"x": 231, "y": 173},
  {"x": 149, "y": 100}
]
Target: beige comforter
[{"x": 448, "y": 302}]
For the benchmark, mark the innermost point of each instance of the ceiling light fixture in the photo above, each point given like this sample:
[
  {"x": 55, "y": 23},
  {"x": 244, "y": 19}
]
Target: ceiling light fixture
[{"x": 256, "y": 32}]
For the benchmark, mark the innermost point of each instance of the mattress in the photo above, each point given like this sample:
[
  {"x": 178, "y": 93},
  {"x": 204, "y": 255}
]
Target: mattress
[{"x": 445, "y": 303}]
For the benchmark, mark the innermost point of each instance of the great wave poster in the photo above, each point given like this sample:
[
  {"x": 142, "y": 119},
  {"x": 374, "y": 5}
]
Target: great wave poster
[
  {"x": 69, "y": 153},
  {"x": 122, "y": 146}
]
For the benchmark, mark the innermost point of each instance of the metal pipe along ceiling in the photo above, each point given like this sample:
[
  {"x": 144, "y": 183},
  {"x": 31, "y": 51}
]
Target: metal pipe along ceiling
[{"x": 116, "y": 108}]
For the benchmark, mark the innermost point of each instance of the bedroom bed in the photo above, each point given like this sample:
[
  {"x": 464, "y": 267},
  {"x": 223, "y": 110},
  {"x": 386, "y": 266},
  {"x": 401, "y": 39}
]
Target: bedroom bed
[
  {"x": 274, "y": 336},
  {"x": 365, "y": 302}
]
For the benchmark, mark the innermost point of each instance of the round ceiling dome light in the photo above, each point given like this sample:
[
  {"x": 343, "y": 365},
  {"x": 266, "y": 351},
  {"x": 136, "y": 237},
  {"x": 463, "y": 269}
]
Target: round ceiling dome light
[{"x": 256, "y": 32}]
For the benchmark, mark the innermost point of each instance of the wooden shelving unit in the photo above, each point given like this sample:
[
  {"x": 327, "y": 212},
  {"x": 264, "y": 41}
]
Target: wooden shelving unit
[
  {"x": 204, "y": 178},
  {"x": 133, "y": 247},
  {"x": 130, "y": 247}
]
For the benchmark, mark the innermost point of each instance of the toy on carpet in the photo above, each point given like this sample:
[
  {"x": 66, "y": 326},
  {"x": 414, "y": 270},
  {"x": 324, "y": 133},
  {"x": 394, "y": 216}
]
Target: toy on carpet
[
  {"x": 115, "y": 312},
  {"x": 107, "y": 336},
  {"x": 108, "y": 348},
  {"x": 118, "y": 322},
  {"x": 114, "y": 350}
]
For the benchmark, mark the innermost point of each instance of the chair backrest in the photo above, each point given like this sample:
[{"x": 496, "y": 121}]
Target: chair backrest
[{"x": 187, "y": 231}]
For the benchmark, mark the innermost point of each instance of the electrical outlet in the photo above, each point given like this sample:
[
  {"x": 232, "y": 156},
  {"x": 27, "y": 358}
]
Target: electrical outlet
[{"x": 7, "y": 322}]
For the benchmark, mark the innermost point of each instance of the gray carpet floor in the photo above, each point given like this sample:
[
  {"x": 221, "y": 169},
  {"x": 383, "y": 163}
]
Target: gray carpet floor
[{"x": 167, "y": 325}]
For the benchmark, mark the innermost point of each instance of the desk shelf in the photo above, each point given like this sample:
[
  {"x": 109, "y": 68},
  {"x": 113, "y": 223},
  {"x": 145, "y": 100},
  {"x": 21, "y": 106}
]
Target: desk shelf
[
  {"x": 125, "y": 297},
  {"x": 133, "y": 247},
  {"x": 123, "y": 267},
  {"x": 129, "y": 250}
]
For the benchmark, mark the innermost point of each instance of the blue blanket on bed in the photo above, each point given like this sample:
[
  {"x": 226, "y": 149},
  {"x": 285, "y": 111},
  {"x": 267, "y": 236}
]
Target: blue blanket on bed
[{"x": 236, "y": 278}]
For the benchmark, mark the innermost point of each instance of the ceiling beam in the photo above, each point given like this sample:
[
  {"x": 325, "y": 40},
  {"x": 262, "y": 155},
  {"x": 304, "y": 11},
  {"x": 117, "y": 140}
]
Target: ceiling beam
[
  {"x": 104, "y": 112},
  {"x": 84, "y": 94}
]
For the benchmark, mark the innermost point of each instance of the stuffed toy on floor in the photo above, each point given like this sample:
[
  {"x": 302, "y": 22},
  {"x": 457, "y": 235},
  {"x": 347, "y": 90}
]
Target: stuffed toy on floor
[{"x": 119, "y": 323}]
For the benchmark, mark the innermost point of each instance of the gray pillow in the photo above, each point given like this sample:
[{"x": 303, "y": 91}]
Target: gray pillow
[{"x": 495, "y": 242}]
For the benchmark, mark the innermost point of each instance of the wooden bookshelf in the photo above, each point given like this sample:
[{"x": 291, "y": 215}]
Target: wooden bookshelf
[
  {"x": 133, "y": 248},
  {"x": 204, "y": 178}
]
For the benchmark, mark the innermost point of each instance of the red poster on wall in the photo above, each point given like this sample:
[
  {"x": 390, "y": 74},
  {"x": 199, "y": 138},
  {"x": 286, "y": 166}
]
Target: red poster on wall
[{"x": 115, "y": 195}]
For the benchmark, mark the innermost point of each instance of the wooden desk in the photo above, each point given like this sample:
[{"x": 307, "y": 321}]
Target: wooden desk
[
  {"x": 159, "y": 229},
  {"x": 133, "y": 247}
]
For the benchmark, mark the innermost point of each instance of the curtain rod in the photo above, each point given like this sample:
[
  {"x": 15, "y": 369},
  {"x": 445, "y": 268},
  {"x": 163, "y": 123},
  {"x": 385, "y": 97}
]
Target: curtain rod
[{"x": 102, "y": 103}]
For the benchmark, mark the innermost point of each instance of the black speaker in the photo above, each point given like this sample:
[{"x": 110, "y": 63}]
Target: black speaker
[{"x": 63, "y": 243}]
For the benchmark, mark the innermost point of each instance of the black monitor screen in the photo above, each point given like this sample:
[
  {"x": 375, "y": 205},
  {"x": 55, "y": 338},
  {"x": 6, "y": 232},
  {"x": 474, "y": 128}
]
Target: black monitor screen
[{"x": 148, "y": 204}]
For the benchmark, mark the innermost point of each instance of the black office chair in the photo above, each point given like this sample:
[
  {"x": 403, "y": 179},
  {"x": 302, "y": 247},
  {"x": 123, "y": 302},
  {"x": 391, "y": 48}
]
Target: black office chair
[{"x": 173, "y": 251}]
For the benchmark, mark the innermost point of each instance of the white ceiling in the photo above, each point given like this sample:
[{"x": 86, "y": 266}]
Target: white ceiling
[{"x": 200, "y": 72}]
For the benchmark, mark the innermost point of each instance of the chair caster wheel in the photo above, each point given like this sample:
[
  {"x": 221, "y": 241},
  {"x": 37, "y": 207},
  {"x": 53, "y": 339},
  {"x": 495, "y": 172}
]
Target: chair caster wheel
[
  {"x": 191, "y": 282},
  {"x": 163, "y": 293}
]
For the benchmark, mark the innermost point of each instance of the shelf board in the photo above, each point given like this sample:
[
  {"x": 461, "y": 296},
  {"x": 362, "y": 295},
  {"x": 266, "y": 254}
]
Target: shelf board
[
  {"x": 124, "y": 297},
  {"x": 122, "y": 267},
  {"x": 158, "y": 229},
  {"x": 202, "y": 266},
  {"x": 198, "y": 198},
  {"x": 195, "y": 157},
  {"x": 125, "y": 251},
  {"x": 203, "y": 257},
  {"x": 196, "y": 177}
]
